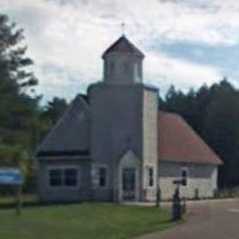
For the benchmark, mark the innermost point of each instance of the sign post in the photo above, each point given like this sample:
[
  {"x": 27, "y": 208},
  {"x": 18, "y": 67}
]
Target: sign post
[
  {"x": 19, "y": 200},
  {"x": 177, "y": 208},
  {"x": 13, "y": 177}
]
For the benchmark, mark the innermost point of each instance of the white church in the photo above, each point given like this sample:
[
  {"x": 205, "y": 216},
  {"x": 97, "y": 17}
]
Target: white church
[{"x": 114, "y": 143}]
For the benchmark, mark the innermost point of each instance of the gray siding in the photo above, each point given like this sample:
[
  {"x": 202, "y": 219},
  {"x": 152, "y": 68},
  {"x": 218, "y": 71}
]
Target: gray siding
[
  {"x": 116, "y": 126},
  {"x": 123, "y": 69},
  {"x": 81, "y": 192}
]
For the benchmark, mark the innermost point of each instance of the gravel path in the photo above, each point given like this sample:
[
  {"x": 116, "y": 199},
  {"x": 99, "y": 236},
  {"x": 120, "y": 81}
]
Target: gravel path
[{"x": 206, "y": 220}]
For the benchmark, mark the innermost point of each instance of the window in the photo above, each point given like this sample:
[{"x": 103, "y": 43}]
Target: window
[
  {"x": 55, "y": 177},
  {"x": 70, "y": 177},
  {"x": 151, "y": 177},
  {"x": 136, "y": 72},
  {"x": 63, "y": 177},
  {"x": 184, "y": 176},
  {"x": 102, "y": 176},
  {"x": 99, "y": 175},
  {"x": 128, "y": 179}
]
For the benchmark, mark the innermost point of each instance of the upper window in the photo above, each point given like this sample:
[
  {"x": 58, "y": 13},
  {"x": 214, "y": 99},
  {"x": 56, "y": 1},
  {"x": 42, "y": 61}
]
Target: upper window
[
  {"x": 151, "y": 177},
  {"x": 136, "y": 72},
  {"x": 63, "y": 177}
]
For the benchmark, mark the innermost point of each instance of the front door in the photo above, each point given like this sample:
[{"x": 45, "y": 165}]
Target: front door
[{"x": 128, "y": 184}]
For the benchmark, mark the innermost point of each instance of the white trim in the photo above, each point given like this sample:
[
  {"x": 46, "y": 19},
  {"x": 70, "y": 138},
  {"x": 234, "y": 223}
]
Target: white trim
[{"x": 129, "y": 160}]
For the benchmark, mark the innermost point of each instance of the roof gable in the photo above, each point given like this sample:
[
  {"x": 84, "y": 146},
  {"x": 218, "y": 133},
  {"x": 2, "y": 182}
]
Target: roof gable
[
  {"x": 71, "y": 133},
  {"x": 123, "y": 45},
  {"x": 178, "y": 142},
  {"x": 129, "y": 154}
]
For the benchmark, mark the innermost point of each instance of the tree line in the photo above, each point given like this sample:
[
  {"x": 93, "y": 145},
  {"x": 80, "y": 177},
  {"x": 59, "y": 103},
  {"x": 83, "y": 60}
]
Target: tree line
[{"x": 213, "y": 112}]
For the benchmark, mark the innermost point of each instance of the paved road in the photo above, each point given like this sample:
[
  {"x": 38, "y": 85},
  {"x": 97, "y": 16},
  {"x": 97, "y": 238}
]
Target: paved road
[{"x": 209, "y": 220}]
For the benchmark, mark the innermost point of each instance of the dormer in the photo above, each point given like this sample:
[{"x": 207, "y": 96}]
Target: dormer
[{"x": 123, "y": 63}]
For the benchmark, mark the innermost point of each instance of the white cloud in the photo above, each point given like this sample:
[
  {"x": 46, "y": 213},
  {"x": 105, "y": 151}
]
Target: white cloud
[
  {"x": 163, "y": 71},
  {"x": 66, "y": 38}
]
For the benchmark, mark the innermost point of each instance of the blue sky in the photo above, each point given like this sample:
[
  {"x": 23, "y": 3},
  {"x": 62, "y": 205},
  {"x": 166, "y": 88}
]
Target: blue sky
[{"x": 187, "y": 43}]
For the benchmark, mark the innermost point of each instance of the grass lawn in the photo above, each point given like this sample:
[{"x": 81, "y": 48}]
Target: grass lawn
[{"x": 82, "y": 221}]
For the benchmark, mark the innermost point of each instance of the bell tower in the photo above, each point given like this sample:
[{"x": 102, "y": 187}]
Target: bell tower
[
  {"x": 123, "y": 63},
  {"x": 124, "y": 116}
]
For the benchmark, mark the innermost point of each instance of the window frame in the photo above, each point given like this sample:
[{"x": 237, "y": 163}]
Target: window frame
[{"x": 63, "y": 176}]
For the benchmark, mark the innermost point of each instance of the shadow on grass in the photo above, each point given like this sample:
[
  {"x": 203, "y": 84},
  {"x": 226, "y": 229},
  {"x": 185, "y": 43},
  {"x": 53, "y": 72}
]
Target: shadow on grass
[{"x": 10, "y": 203}]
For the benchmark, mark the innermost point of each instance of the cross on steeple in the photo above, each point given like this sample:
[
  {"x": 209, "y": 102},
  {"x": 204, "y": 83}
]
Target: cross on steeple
[{"x": 123, "y": 28}]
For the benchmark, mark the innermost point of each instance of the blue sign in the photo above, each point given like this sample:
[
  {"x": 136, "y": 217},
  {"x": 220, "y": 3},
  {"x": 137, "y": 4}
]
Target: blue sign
[{"x": 11, "y": 177}]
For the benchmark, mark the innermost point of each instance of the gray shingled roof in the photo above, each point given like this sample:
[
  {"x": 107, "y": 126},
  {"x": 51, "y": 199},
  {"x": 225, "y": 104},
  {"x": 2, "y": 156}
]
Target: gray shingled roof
[
  {"x": 70, "y": 135},
  {"x": 125, "y": 46}
]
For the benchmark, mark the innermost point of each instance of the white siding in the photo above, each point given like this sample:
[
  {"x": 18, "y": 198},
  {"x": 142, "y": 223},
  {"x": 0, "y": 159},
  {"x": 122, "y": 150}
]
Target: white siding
[
  {"x": 150, "y": 142},
  {"x": 200, "y": 177}
]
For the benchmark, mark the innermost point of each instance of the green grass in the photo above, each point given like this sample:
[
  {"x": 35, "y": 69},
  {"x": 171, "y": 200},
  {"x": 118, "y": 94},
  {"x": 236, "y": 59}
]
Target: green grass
[
  {"x": 10, "y": 201},
  {"x": 82, "y": 221}
]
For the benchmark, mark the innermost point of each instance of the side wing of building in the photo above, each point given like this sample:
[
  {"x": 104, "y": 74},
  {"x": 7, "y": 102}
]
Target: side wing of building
[
  {"x": 183, "y": 154},
  {"x": 63, "y": 158}
]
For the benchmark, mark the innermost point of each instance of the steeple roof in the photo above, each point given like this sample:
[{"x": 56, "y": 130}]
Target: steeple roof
[{"x": 123, "y": 45}]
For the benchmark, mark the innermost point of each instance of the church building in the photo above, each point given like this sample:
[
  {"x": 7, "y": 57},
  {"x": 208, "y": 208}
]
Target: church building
[{"x": 114, "y": 143}]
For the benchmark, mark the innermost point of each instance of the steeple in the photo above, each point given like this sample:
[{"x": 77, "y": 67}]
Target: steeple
[
  {"x": 123, "y": 62},
  {"x": 123, "y": 45}
]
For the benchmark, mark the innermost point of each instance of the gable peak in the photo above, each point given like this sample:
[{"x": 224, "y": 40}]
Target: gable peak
[{"x": 123, "y": 45}]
